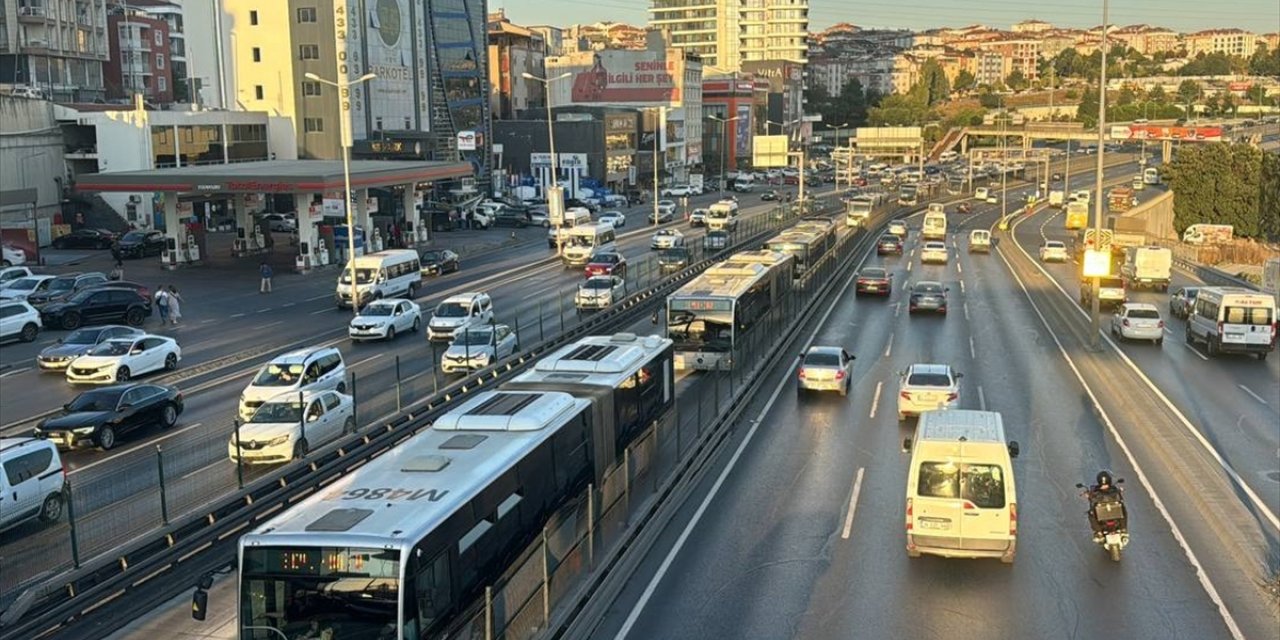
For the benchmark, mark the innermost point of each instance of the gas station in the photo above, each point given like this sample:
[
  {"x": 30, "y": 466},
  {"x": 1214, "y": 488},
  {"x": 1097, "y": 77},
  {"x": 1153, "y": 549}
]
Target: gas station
[{"x": 317, "y": 187}]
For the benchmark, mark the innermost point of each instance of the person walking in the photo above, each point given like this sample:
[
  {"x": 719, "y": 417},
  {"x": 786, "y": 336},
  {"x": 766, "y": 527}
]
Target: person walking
[
  {"x": 175, "y": 305},
  {"x": 162, "y": 304},
  {"x": 117, "y": 272},
  {"x": 264, "y": 270}
]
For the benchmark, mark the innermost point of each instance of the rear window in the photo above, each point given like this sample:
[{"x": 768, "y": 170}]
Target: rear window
[
  {"x": 1111, "y": 283},
  {"x": 981, "y": 484},
  {"x": 873, "y": 273},
  {"x": 1144, "y": 313},
  {"x": 822, "y": 360},
  {"x": 929, "y": 380},
  {"x": 1248, "y": 315}
]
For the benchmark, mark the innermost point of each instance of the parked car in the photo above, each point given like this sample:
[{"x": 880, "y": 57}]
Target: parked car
[
  {"x": 96, "y": 306},
  {"x": 678, "y": 190},
  {"x": 435, "y": 262},
  {"x": 140, "y": 244},
  {"x": 606, "y": 263},
  {"x": 121, "y": 359},
  {"x": 10, "y": 274},
  {"x": 19, "y": 320},
  {"x": 381, "y": 319},
  {"x": 65, "y": 286},
  {"x": 12, "y": 256},
  {"x": 477, "y": 347},
  {"x": 58, "y": 355},
  {"x": 142, "y": 289},
  {"x": 85, "y": 239},
  {"x": 284, "y": 222},
  {"x": 97, "y": 418},
  {"x": 286, "y": 426}
]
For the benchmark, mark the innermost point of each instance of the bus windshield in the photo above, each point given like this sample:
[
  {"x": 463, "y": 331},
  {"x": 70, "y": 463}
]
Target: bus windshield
[
  {"x": 363, "y": 276},
  {"x": 581, "y": 241},
  {"x": 334, "y": 592},
  {"x": 700, "y": 330}
]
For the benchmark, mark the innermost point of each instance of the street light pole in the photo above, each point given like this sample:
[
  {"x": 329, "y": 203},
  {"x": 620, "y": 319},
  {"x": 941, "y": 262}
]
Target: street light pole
[
  {"x": 837, "y": 151},
  {"x": 551, "y": 145},
  {"x": 724, "y": 146},
  {"x": 344, "y": 126},
  {"x": 1095, "y": 305}
]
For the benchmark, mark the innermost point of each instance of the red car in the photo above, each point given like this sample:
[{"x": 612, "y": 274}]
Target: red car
[
  {"x": 790, "y": 179},
  {"x": 888, "y": 244},
  {"x": 874, "y": 280},
  {"x": 607, "y": 264}
]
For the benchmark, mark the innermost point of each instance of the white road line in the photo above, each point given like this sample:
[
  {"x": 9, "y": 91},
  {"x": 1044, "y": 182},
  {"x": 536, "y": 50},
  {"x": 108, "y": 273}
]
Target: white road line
[
  {"x": 715, "y": 488},
  {"x": 897, "y": 309},
  {"x": 909, "y": 265},
  {"x": 208, "y": 321},
  {"x": 973, "y": 353},
  {"x": 959, "y": 269},
  {"x": 320, "y": 311},
  {"x": 1196, "y": 351},
  {"x": 118, "y": 453},
  {"x": 853, "y": 504},
  {"x": 287, "y": 305},
  {"x": 271, "y": 324},
  {"x": 367, "y": 360},
  {"x": 1252, "y": 394},
  {"x": 965, "y": 307},
  {"x": 982, "y": 399},
  {"x": 263, "y": 310},
  {"x": 238, "y": 315},
  {"x": 14, "y": 372},
  {"x": 875, "y": 400},
  {"x": 961, "y": 284},
  {"x": 888, "y": 349},
  {"x": 313, "y": 299}
]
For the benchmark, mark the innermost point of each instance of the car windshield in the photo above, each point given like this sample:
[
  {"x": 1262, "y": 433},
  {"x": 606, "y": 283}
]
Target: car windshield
[
  {"x": 451, "y": 310},
  {"x": 1190, "y": 293},
  {"x": 99, "y": 400},
  {"x": 363, "y": 276},
  {"x": 82, "y": 336},
  {"x": 928, "y": 287},
  {"x": 62, "y": 284},
  {"x": 1055, "y": 245},
  {"x": 874, "y": 273},
  {"x": 474, "y": 338},
  {"x": 24, "y": 284},
  {"x": 582, "y": 241},
  {"x": 1144, "y": 313},
  {"x": 277, "y": 412},
  {"x": 134, "y": 236},
  {"x": 278, "y": 375},
  {"x": 339, "y": 593},
  {"x": 598, "y": 283},
  {"x": 929, "y": 380},
  {"x": 377, "y": 310},
  {"x": 432, "y": 256},
  {"x": 605, "y": 258},
  {"x": 112, "y": 348},
  {"x": 821, "y": 360}
]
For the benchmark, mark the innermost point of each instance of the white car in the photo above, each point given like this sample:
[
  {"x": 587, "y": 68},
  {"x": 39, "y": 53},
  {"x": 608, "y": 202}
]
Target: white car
[
  {"x": 9, "y": 275},
  {"x": 679, "y": 190},
  {"x": 1053, "y": 251},
  {"x": 614, "y": 218},
  {"x": 1138, "y": 321},
  {"x": 280, "y": 222},
  {"x": 122, "y": 360},
  {"x": 13, "y": 256},
  {"x": 927, "y": 387},
  {"x": 22, "y": 287},
  {"x": 666, "y": 211},
  {"x": 934, "y": 251},
  {"x": 599, "y": 292},
  {"x": 898, "y": 228},
  {"x": 825, "y": 369},
  {"x": 478, "y": 347},
  {"x": 981, "y": 194},
  {"x": 276, "y": 432},
  {"x": 667, "y": 239},
  {"x": 19, "y": 320},
  {"x": 382, "y": 319}
]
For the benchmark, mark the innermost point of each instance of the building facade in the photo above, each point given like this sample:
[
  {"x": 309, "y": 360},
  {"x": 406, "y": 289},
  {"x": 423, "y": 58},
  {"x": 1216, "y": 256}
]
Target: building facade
[
  {"x": 513, "y": 51},
  {"x": 141, "y": 62},
  {"x": 742, "y": 102},
  {"x": 172, "y": 15},
  {"x": 1232, "y": 42},
  {"x": 595, "y": 145},
  {"x": 54, "y": 47},
  {"x": 726, "y": 33}
]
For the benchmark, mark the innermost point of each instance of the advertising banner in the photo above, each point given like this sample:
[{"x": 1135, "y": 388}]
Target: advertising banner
[
  {"x": 742, "y": 131},
  {"x": 573, "y": 161},
  {"x": 389, "y": 44},
  {"x": 1158, "y": 132},
  {"x": 628, "y": 76},
  {"x": 466, "y": 141}
]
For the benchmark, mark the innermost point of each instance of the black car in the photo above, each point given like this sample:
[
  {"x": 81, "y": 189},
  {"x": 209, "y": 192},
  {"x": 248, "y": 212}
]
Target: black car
[
  {"x": 96, "y": 306},
  {"x": 438, "y": 261},
  {"x": 142, "y": 289},
  {"x": 140, "y": 244},
  {"x": 57, "y": 356},
  {"x": 64, "y": 286},
  {"x": 716, "y": 240},
  {"x": 771, "y": 194},
  {"x": 99, "y": 417},
  {"x": 674, "y": 259},
  {"x": 928, "y": 295},
  {"x": 85, "y": 239},
  {"x": 508, "y": 217},
  {"x": 889, "y": 243}
]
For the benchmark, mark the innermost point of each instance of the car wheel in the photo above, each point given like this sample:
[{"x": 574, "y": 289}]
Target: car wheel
[
  {"x": 844, "y": 391},
  {"x": 29, "y": 332},
  {"x": 301, "y": 449},
  {"x": 168, "y": 416},
  {"x": 417, "y": 324},
  {"x": 1159, "y": 342},
  {"x": 71, "y": 320},
  {"x": 134, "y": 317},
  {"x": 349, "y": 426},
  {"x": 171, "y": 362},
  {"x": 342, "y": 387},
  {"x": 391, "y": 333},
  {"x": 51, "y": 510},
  {"x": 122, "y": 374},
  {"x": 6, "y": 263},
  {"x": 106, "y": 438},
  {"x": 1186, "y": 335}
]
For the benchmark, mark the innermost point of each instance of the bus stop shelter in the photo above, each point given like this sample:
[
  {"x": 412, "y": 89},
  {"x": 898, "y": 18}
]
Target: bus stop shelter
[{"x": 317, "y": 187}]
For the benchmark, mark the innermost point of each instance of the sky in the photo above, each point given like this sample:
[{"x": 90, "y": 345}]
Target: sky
[{"x": 1259, "y": 16}]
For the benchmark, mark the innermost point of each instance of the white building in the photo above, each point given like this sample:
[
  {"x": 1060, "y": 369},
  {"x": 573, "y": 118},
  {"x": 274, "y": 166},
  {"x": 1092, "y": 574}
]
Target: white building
[
  {"x": 1233, "y": 42},
  {"x": 726, "y": 33}
]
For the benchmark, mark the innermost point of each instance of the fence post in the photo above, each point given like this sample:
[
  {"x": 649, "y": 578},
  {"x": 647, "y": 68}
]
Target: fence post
[
  {"x": 518, "y": 334},
  {"x": 355, "y": 404},
  {"x": 542, "y": 336},
  {"x": 488, "y": 612},
  {"x": 164, "y": 498},
  {"x": 302, "y": 416},
  {"x": 239, "y": 457},
  {"x": 399, "y": 405},
  {"x": 591, "y": 525},
  {"x": 546, "y": 579},
  {"x": 71, "y": 525},
  {"x": 560, "y": 304}
]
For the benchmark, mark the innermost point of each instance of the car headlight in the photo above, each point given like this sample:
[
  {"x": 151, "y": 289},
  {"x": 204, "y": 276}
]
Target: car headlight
[
  {"x": 278, "y": 440},
  {"x": 83, "y": 431}
]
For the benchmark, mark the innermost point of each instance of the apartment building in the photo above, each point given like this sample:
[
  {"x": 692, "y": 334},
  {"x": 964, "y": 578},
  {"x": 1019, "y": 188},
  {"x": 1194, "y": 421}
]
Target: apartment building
[
  {"x": 726, "y": 33},
  {"x": 513, "y": 51},
  {"x": 1031, "y": 27},
  {"x": 57, "y": 47},
  {"x": 1232, "y": 42},
  {"x": 141, "y": 62}
]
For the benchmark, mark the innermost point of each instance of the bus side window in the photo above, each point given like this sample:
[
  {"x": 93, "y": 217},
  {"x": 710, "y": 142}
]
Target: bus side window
[{"x": 433, "y": 590}]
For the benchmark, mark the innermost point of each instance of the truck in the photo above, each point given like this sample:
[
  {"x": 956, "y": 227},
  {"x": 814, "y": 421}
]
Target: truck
[
  {"x": 1057, "y": 199},
  {"x": 1147, "y": 267},
  {"x": 1121, "y": 199},
  {"x": 1208, "y": 234},
  {"x": 1126, "y": 232}
]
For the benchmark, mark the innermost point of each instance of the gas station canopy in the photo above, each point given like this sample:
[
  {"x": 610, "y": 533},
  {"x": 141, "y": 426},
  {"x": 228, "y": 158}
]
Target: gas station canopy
[{"x": 273, "y": 176}]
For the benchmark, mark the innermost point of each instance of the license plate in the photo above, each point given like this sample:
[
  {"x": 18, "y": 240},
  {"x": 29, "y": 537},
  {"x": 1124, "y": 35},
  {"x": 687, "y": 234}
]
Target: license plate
[
  {"x": 872, "y": 287},
  {"x": 1113, "y": 538},
  {"x": 934, "y": 523}
]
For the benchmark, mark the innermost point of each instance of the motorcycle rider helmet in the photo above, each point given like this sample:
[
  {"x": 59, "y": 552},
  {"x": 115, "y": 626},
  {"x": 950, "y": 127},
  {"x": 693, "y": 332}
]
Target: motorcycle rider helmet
[{"x": 1104, "y": 480}]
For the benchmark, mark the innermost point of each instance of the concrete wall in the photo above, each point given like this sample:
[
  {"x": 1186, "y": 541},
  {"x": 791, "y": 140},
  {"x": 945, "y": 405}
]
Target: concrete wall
[
  {"x": 1158, "y": 214},
  {"x": 31, "y": 155}
]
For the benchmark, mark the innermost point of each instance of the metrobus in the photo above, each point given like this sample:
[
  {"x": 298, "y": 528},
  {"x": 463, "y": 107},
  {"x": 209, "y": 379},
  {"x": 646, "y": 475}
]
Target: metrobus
[
  {"x": 710, "y": 315},
  {"x": 1077, "y": 216},
  {"x": 909, "y": 194},
  {"x": 404, "y": 546},
  {"x": 858, "y": 211},
  {"x": 808, "y": 247}
]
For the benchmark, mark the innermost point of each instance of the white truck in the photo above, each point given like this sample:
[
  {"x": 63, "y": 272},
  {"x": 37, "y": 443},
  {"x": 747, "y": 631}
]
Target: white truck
[
  {"x": 722, "y": 216},
  {"x": 1147, "y": 267},
  {"x": 1057, "y": 199}
]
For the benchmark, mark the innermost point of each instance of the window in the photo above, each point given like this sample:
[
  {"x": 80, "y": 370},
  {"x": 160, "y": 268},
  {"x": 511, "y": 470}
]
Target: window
[
  {"x": 331, "y": 402},
  {"x": 309, "y": 51},
  {"x": 253, "y": 18},
  {"x": 981, "y": 484},
  {"x": 257, "y": 91},
  {"x": 433, "y": 588},
  {"x": 313, "y": 125},
  {"x": 162, "y": 84},
  {"x": 310, "y": 89},
  {"x": 306, "y": 14},
  {"x": 159, "y": 60},
  {"x": 257, "y": 54},
  {"x": 1259, "y": 316}
]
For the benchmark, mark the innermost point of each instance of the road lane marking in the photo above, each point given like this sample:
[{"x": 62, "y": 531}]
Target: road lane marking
[
  {"x": 724, "y": 474},
  {"x": 875, "y": 400},
  {"x": 263, "y": 310},
  {"x": 367, "y": 360},
  {"x": 287, "y": 305},
  {"x": 1252, "y": 394},
  {"x": 959, "y": 269},
  {"x": 965, "y": 307},
  {"x": 271, "y": 324},
  {"x": 961, "y": 285},
  {"x": 14, "y": 372},
  {"x": 909, "y": 264},
  {"x": 320, "y": 311},
  {"x": 982, "y": 399},
  {"x": 121, "y": 452},
  {"x": 888, "y": 349},
  {"x": 973, "y": 353},
  {"x": 853, "y": 504},
  {"x": 237, "y": 315},
  {"x": 897, "y": 309},
  {"x": 1196, "y": 351},
  {"x": 321, "y": 297}
]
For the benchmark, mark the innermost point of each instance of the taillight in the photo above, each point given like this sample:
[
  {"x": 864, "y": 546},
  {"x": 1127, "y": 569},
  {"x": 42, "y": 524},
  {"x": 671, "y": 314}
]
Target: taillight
[
  {"x": 1219, "y": 329},
  {"x": 1013, "y": 519},
  {"x": 802, "y": 374},
  {"x": 909, "y": 513},
  {"x": 905, "y": 395},
  {"x": 1160, "y": 324},
  {"x": 951, "y": 397},
  {"x": 840, "y": 375}
]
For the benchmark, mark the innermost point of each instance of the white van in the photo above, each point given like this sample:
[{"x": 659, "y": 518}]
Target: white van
[
  {"x": 961, "y": 496},
  {"x": 573, "y": 216},
  {"x": 458, "y": 311},
  {"x": 310, "y": 369},
  {"x": 1233, "y": 320},
  {"x": 744, "y": 183},
  {"x": 33, "y": 483},
  {"x": 584, "y": 240},
  {"x": 722, "y": 216},
  {"x": 385, "y": 274},
  {"x": 979, "y": 241},
  {"x": 935, "y": 226}
]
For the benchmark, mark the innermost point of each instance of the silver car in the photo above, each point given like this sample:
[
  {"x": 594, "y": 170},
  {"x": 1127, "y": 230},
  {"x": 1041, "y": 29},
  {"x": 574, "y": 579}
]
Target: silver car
[
  {"x": 478, "y": 347},
  {"x": 825, "y": 369},
  {"x": 1138, "y": 321},
  {"x": 927, "y": 387}
]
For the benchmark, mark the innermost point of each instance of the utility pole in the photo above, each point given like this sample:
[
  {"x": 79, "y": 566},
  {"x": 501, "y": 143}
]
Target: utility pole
[{"x": 1095, "y": 306}]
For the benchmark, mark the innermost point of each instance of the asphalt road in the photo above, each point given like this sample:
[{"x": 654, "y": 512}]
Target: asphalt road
[{"x": 803, "y": 536}]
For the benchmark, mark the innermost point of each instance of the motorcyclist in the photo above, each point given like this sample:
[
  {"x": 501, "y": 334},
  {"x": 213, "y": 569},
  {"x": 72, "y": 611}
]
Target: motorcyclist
[{"x": 1103, "y": 490}]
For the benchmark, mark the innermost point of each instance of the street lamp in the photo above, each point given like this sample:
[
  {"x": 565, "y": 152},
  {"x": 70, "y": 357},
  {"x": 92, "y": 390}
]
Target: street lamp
[
  {"x": 724, "y": 146},
  {"x": 344, "y": 123},
  {"x": 836, "y": 153},
  {"x": 1095, "y": 307},
  {"x": 555, "y": 204}
]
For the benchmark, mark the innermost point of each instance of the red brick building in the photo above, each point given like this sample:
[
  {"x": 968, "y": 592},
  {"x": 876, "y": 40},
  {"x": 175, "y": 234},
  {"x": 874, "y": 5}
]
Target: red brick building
[{"x": 141, "y": 61}]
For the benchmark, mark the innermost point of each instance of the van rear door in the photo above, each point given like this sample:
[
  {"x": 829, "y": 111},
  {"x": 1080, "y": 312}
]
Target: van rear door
[
  {"x": 1247, "y": 325},
  {"x": 936, "y": 511},
  {"x": 985, "y": 525}
]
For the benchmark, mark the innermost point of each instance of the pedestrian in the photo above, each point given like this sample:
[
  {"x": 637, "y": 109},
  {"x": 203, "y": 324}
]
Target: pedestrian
[
  {"x": 162, "y": 304},
  {"x": 117, "y": 272},
  {"x": 116, "y": 254},
  {"x": 175, "y": 305},
  {"x": 264, "y": 270}
]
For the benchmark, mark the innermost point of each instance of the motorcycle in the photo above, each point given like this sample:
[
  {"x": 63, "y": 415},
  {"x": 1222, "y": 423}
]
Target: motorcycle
[{"x": 1112, "y": 532}]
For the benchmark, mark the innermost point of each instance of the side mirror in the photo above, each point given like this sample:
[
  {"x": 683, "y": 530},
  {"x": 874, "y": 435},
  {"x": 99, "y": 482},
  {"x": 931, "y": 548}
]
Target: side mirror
[
  {"x": 1079, "y": 486},
  {"x": 199, "y": 604},
  {"x": 906, "y": 444},
  {"x": 1119, "y": 480},
  {"x": 1014, "y": 449},
  {"x": 959, "y": 375}
]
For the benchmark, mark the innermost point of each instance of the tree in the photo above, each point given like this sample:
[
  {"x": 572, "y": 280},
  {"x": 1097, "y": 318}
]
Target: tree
[
  {"x": 1222, "y": 184},
  {"x": 1157, "y": 94},
  {"x": 1016, "y": 80},
  {"x": 1188, "y": 91},
  {"x": 933, "y": 80},
  {"x": 1269, "y": 202},
  {"x": 1265, "y": 63},
  {"x": 1087, "y": 111},
  {"x": 964, "y": 81},
  {"x": 1124, "y": 96},
  {"x": 898, "y": 110}
]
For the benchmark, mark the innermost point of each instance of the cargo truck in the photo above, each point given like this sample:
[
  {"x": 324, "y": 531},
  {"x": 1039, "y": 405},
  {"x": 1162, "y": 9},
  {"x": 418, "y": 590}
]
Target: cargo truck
[
  {"x": 1147, "y": 268},
  {"x": 1057, "y": 199},
  {"x": 1126, "y": 232},
  {"x": 1121, "y": 199}
]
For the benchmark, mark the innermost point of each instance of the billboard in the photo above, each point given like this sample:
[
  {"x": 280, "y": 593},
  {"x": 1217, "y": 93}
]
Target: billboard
[
  {"x": 742, "y": 131},
  {"x": 382, "y": 39},
  {"x": 888, "y": 137},
  {"x": 769, "y": 151},
  {"x": 623, "y": 76},
  {"x": 467, "y": 141},
  {"x": 1159, "y": 132}
]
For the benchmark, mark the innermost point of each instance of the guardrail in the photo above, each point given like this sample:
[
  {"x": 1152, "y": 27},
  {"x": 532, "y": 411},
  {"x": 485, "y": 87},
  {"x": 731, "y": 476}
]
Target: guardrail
[
  {"x": 187, "y": 541},
  {"x": 1213, "y": 276}
]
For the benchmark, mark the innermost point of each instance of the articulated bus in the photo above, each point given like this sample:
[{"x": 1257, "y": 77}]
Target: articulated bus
[
  {"x": 909, "y": 194},
  {"x": 404, "y": 546},
  {"x": 1077, "y": 215},
  {"x": 711, "y": 314},
  {"x": 808, "y": 247}
]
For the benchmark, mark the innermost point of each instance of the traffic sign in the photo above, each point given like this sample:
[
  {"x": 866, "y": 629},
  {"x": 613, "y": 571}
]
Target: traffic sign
[{"x": 769, "y": 151}]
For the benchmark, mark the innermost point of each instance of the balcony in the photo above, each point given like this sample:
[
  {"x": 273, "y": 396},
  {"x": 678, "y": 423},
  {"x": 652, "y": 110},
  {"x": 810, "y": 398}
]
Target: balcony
[{"x": 33, "y": 14}]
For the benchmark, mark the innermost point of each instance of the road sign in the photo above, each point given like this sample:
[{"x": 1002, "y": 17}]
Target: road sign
[
  {"x": 1090, "y": 236},
  {"x": 769, "y": 151}
]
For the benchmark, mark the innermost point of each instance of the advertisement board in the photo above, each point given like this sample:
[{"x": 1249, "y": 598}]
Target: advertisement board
[
  {"x": 1160, "y": 132},
  {"x": 892, "y": 137},
  {"x": 467, "y": 141},
  {"x": 628, "y": 76},
  {"x": 769, "y": 151},
  {"x": 742, "y": 131},
  {"x": 573, "y": 161}
]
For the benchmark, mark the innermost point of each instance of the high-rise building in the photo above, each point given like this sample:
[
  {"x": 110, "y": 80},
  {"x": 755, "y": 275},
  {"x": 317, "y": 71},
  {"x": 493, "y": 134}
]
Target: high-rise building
[
  {"x": 726, "y": 33},
  {"x": 1232, "y": 42},
  {"x": 57, "y": 47},
  {"x": 514, "y": 50},
  {"x": 171, "y": 13},
  {"x": 141, "y": 62}
]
